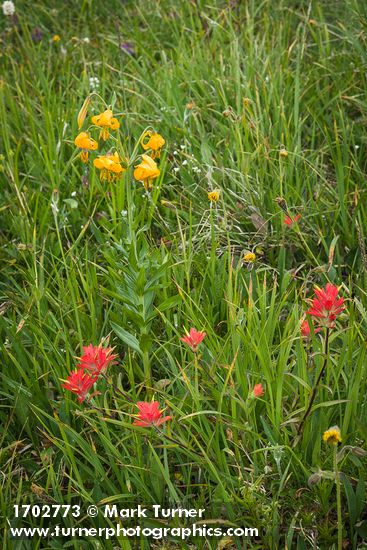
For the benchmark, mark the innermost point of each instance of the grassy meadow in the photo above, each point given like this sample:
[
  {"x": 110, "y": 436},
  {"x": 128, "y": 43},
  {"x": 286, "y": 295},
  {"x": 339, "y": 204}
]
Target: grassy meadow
[{"x": 264, "y": 103}]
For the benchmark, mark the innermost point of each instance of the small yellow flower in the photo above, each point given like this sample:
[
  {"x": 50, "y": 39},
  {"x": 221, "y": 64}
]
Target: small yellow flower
[
  {"x": 213, "y": 196},
  {"x": 109, "y": 166},
  {"x": 190, "y": 105},
  {"x": 155, "y": 143},
  {"x": 283, "y": 153},
  {"x": 332, "y": 435},
  {"x": 86, "y": 143},
  {"x": 250, "y": 257},
  {"x": 246, "y": 102},
  {"x": 146, "y": 171},
  {"x": 56, "y": 38},
  {"x": 106, "y": 121}
]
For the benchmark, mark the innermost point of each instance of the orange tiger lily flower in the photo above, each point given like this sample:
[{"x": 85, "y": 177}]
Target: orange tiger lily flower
[
  {"x": 146, "y": 171},
  {"x": 107, "y": 122},
  {"x": 85, "y": 143},
  {"x": 155, "y": 143},
  {"x": 109, "y": 166}
]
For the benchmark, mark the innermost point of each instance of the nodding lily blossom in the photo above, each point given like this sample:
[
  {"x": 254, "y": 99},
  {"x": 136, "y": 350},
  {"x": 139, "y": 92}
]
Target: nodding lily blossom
[
  {"x": 155, "y": 143},
  {"x": 326, "y": 305},
  {"x": 85, "y": 143},
  {"x": 289, "y": 221},
  {"x": 107, "y": 122},
  {"x": 95, "y": 359},
  {"x": 79, "y": 382},
  {"x": 213, "y": 196},
  {"x": 332, "y": 435},
  {"x": 149, "y": 415},
  {"x": 109, "y": 166},
  {"x": 306, "y": 329},
  {"x": 258, "y": 390},
  {"x": 146, "y": 171},
  {"x": 194, "y": 338}
]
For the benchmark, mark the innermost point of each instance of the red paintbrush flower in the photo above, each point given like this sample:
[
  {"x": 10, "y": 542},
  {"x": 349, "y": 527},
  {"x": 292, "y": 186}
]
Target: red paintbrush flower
[
  {"x": 289, "y": 221},
  {"x": 95, "y": 359},
  {"x": 306, "y": 329},
  {"x": 258, "y": 390},
  {"x": 79, "y": 382},
  {"x": 194, "y": 338},
  {"x": 149, "y": 415},
  {"x": 326, "y": 305}
]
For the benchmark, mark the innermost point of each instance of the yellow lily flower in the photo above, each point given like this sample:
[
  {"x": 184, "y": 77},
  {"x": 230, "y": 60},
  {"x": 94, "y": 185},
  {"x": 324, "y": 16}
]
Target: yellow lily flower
[
  {"x": 109, "y": 166},
  {"x": 146, "y": 171},
  {"x": 106, "y": 121},
  {"x": 86, "y": 143},
  {"x": 155, "y": 143}
]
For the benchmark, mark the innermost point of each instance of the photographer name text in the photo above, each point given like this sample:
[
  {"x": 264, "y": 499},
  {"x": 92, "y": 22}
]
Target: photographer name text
[{"x": 113, "y": 511}]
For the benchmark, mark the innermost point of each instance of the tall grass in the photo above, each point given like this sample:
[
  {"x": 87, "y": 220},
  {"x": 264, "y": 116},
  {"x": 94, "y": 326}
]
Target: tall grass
[{"x": 229, "y": 85}]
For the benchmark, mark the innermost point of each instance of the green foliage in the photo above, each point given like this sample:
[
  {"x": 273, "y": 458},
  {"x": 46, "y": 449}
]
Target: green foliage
[{"x": 229, "y": 85}]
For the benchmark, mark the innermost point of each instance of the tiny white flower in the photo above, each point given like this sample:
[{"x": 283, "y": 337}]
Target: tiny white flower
[
  {"x": 175, "y": 153},
  {"x": 8, "y": 7},
  {"x": 176, "y": 169},
  {"x": 86, "y": 40},
  {"x": 356, "y": 147},
  {"x": 184, "y": 162},
  {"x": 183, "y": 146},
  {"x": 94, "y": 82},
  {"x": 73, "y": 194}
]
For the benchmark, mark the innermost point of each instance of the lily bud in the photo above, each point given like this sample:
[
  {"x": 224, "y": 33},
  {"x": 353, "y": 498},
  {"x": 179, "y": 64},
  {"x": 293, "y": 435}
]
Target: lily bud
[{"x": 83, "y": 112}]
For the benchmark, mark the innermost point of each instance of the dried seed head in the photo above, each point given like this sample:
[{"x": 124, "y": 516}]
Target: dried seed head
[{"x": 282, "y": 203}]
